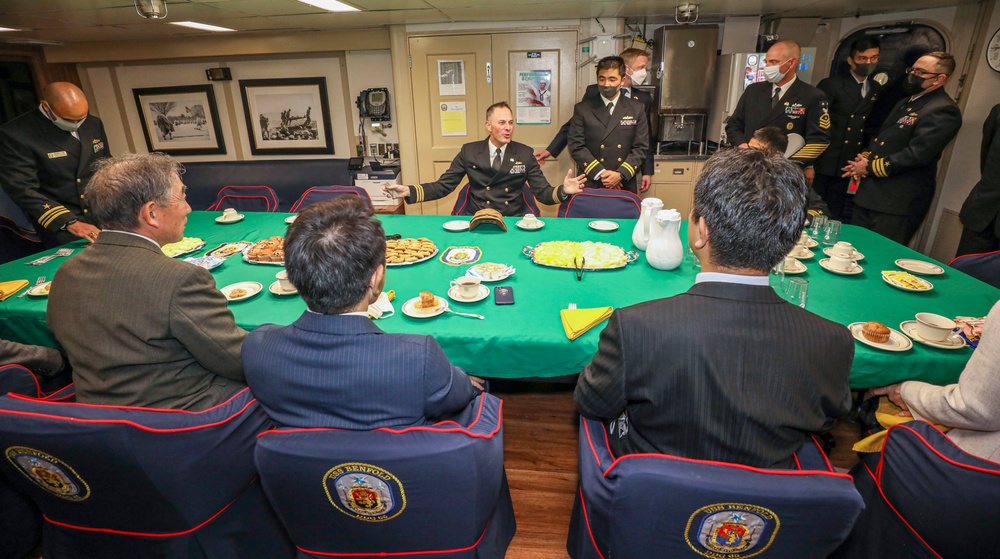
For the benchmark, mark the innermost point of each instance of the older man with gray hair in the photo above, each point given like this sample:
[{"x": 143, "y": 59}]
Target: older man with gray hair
[{"x": 138, "y": 327}]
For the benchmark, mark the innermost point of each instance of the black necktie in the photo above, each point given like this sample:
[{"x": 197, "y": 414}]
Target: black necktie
[
  {"x": 776, "y": 97},
  {"x": 627, "y": 93},
  {"x": 611, "y": 108},
  {"x": 496, "y": 160},
  {"x": 864, "y": 88}
]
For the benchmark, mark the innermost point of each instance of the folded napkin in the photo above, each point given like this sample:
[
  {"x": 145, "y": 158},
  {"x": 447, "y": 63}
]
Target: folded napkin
[
  {"x": 887, "y": 415},
  {"x": 576, "y": 322},
  {"x": 8, "y": 288}
]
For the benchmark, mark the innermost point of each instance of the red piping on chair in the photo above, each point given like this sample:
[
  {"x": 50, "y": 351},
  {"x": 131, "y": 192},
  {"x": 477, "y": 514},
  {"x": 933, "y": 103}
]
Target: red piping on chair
[
  {"x": 397, "y": 553},
  {"x": 49, "y": 398},
  {"x": 215, "y": 206},
  {"x": 457, "y": 210},
  {"x": 977, "y": 254},
  {"x": 599, "y": 195},
  {"x": 38, "y": 387},
  {"x": 730, "y": 465},
  {"x": 20, "y": 232},
  {"x": 586, "y": 520},
  {"x": 878, "y": 485},
  {"x": 941, "y": 456}
]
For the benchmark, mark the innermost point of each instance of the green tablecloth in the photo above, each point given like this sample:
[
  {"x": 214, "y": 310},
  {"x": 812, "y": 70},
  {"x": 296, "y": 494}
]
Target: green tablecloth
[{"x": 527, "y": 339}]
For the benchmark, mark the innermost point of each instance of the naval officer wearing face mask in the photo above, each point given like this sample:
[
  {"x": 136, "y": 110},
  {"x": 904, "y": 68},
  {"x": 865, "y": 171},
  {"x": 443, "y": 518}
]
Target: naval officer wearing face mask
[
  {"x": 46, "y": 160},
  {"x": 783, "y": 101}
]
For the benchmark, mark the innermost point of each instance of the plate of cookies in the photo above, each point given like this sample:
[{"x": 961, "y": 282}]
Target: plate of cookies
[
  {"x": 267, "y": 251},
  {"x": 242, "y": 290},
  {"x": 426, "y": 305},
  {"x": 403, "y": 252}
]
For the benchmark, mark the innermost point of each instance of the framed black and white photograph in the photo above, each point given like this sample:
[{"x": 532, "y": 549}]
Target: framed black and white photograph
[
  {"x": 181, "y": 120},
  {"x": 287, "y": 116}
]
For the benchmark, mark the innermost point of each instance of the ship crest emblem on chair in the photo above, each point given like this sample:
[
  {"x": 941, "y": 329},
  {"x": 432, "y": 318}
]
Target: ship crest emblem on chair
[
  {"x": 734, "y": 529},
  {"x": 49, "y": 473},
  {"x": 364, "y": 492}
]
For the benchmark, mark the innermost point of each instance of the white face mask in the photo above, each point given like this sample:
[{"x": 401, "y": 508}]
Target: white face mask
[
  {"x": 381, "y": 308},
  {"x": 639, "y": 76},
  {"x": 773, "y": 74},
  {"x": 62, "y": 123}
]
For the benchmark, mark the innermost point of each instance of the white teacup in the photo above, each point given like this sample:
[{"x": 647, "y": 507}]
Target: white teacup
[
  {"x": 229, "y": 214},
  {"x": 468, "y": 286},
  {"x": 841, "y": 262},
  {"x": 283, "y": 282},
  {"x": 530, "y": 219},
  {"x": 791, "y": 262},
  {"x": 844, "y": 248},
  {"x": 934, "y": 327},
  {"x": 798, "y": 250},
  {"x": 804, "y": 238}
]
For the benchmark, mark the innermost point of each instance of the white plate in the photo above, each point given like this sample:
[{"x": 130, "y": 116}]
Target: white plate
[
  {"x": 291, "y": 219},
  {"x": 521, "y": 224},
  {"x": 222, "y": 219},
  {"x": 954, "y": 341},
  {"x": 410, "y": 309},
  {"x": 476, "y": 271},
  {"x": 456, "y": 225},
  {"x": 810, "y": 243},
  {"x": 602, "y": 225},
  {"x": 896, "y": 341},
  {"x": 825, "y": 264},
  {"x": 252, "y": 288},
  {"x": 805, "y": 256},
  {"x": 40, "y": 290},
  {"x": 797, "y": 269},
  {"x": 899, "y": 285},
  {"x": 276, "y": 289},
  {"x": 174, "y": 252},
  {"x": 207, "y": 262},
  {"x": 920, "y": 267},
  {"x": 484, "y": 292},
  {"x": 856, "y": 256}
]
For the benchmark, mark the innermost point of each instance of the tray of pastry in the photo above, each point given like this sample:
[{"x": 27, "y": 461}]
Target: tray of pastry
[
  {"x": 404, "y": 252},
  {"x": 267, "y": 251},
  {"x": 187, "y": 245},
  {"x": 571, "y": 254}
]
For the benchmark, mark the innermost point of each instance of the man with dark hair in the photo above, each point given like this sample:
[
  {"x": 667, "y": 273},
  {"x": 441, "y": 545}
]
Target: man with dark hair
[
  {"x": 141, "y": 328},
  {"x": 980, "y": 226},
  {"x": 333, "y": 367},
  {"x": 897, "y": 172},
  {"x": 497, "y": 168},
  {"x": 851, "y": 98},
  {"x": 773, "y": 140},
  {"x": 727, "y": 371},
  {"x": 636, "y": 61},
  {"x": 609, "y": 134}
]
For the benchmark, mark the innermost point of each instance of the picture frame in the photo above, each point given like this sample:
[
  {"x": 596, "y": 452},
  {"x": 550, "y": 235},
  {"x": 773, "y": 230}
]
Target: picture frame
[
  {"x": 180, "y": 120},
  {"x": 288, "y": 116}
]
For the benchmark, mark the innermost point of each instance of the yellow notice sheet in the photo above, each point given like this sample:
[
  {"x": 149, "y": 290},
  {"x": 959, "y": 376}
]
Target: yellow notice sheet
[{"x": 453, "y": 119}]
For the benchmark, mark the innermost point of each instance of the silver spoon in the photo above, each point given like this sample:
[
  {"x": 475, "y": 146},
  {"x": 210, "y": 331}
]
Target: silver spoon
[{"x": 470, "y": 315}]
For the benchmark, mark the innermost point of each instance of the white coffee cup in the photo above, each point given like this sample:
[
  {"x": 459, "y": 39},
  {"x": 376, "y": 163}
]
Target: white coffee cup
[
  {"x": 283, "y": 283},
  {"x": 804, "y": 238},
  {"x": 468, "y": 286},
  {"x": 229, "y": 214},
  {"x": 841, "y": 262},
  {"x": 845, "y": 248},
  {"x": 791, "y": 263},
  {"x": 798, "y": 250},
  {"x": 934, "y": 327}
]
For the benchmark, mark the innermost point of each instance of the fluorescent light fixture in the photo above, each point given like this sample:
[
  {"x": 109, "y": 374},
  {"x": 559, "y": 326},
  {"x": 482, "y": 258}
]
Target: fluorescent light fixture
[
  {"x": 201, "y": 26},
  {"x": 331, "y": 5},
  {"x": 2, "y": 29}
]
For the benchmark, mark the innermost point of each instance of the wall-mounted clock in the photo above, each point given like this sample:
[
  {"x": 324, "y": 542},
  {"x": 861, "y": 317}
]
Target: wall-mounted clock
[{"x": 993, "y": 51}]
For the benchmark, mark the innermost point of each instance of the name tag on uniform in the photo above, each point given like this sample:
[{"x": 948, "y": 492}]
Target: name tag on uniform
[
  {"x": 57, "y": 154},
  {"x": 627, "y": 121},
  {"x": 518, "y": 168}
]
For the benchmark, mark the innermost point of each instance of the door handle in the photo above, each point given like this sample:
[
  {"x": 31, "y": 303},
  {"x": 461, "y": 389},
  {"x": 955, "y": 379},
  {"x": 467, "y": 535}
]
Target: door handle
[{"x": 489, "y": 73}]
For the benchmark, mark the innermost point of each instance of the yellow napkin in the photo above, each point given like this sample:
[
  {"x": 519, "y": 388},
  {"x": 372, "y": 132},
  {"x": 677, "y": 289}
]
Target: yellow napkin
[
  {"x": 887, "y": 415},
  {"x": 8, "y": 288},
  {"x": 576, "y": 322}
]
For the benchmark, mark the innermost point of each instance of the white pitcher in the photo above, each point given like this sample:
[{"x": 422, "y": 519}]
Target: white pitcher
[
  {"x": 643, "y": 227},
  {"x": 665, "y": 251}
]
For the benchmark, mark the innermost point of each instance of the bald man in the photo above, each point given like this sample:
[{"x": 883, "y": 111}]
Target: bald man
[{"x": 46, "y": 160}]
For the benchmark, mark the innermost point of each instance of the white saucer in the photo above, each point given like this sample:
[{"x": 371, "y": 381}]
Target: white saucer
[
  {"x": 276, "y": 289},
  {"x": 456, "y": 225},
  {"x": 926, "y": 285},
  {"x": 806, "y": 256},
  {"x": 800, "y": 268},
  {"x": 252, "y": 288},
  {"x": 811, "y": 242},
  {"x": 521, "y": 224},
  {"x": 484, "y": 292},
  {"x": 825, "y": 264},
  {"x": 856, "y": 256},
  {"x": 954, "y": 341},
  {"x": 603, "y": 225},
  {"x": 410, "y": 309},
  {"x": 920, "y": 267},
  {"x": 896, "y": 341},
  {"x": 291, "y": 219},
  {"x": 40, "y": 290},
  {"x": 222, "y": 219},
  {"x": 477, "y": 271}
]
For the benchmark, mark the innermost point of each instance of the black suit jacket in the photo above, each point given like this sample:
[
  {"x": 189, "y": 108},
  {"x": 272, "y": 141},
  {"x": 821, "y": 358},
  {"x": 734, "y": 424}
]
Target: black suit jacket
[
  {"x": 617, "y": 142},
  {"x": 501, "y": 190},
  {"x": 803, "y": 110},
  {"x": 903, "y": 156},
  {"x": 983, "y": 203},
  {"x": 848, "y": 119},
  {"x": 44, "y": 170},
  {"x": 722, "y": 372},
  {"x": 559, "y": 142}
]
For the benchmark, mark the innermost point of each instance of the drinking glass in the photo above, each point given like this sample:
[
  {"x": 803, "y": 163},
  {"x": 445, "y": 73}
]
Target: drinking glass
[
  {"x": 818, "y": 225},
  {"x": 831, "y": 232},
  {"x": 796, "y": 291},
  {"x": 776, "y": 278},
  {"x": 691, "y": 258}
]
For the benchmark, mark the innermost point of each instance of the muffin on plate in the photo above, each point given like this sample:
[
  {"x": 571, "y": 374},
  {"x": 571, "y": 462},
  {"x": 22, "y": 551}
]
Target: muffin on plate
[{"x": 875, "y": 332}]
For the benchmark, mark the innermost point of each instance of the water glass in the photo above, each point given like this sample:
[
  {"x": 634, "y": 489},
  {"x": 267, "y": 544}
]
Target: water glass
[
  {"x": 818, "y": 225},
  {"x": 831, "y": 232},
  {"x": 796, "y": 291},
  {"x": 691, "y": 258},
  {"x": 776, "y": 278}
]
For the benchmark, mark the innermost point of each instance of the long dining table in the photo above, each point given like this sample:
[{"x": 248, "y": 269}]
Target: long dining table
[{"x": 526, "y": 339}]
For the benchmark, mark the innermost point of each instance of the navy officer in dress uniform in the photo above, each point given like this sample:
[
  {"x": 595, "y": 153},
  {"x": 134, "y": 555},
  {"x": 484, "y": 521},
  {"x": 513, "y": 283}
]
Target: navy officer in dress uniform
[
  {"x": 897, "y": 172},
  {"x": 46, "y": 161},
  {"x": 609, "y": 134},
  {"x": 497, "y": 169},
  {"x": 783, "y": 101}
]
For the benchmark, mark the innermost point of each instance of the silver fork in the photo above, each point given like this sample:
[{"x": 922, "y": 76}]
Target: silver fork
[
  {"x": 468, "y": 314},
  {"x": 39, "y": 281},
  {"x": 53, "y": 256}
]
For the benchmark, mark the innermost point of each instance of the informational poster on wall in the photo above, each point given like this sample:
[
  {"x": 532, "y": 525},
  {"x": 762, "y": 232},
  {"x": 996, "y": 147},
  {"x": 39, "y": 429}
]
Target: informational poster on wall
[
  {"x": 534, "y": 97},
  {"x": 453, "y": 122},
  {"x": 451, "y": 77}
]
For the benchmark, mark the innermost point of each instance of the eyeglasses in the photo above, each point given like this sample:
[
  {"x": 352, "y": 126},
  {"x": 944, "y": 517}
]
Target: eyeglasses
[
  {"x": 865, "y": 59},
  {"x": 922, "y": 73}
]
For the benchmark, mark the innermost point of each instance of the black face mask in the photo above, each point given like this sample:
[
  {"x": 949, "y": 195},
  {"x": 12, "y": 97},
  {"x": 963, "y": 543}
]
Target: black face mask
[
  {"x": 864, "y": 70},
  {"x": 608, "y": 91},
  {"x": 912, "y": 84}
]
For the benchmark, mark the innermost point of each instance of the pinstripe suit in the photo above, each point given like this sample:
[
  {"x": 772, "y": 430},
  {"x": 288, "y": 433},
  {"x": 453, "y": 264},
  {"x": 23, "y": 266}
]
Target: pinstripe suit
[
  {"x": 142, "y": 329},
  {"x": 342, "y": 371},
  {"x": 722, "y": 372}
]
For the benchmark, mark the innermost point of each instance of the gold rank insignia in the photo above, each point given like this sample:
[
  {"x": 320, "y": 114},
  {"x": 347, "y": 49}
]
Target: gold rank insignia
[{"x": 824, "y": 121}]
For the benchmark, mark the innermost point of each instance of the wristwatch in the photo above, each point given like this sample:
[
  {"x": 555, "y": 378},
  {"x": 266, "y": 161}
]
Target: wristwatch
[{"x": 67, "y": 224}]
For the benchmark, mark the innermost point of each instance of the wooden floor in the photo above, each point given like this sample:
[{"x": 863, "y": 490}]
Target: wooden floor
[{"x": 540, "y": 434}]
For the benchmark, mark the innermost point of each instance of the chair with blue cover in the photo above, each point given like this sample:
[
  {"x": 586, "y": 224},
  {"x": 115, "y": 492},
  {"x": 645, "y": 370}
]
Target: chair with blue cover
[
  {"x": 602, "y": 203},
  {"x": 925, "y": 498},
  {"x": 245, "y": 199},
  {"x": 428, "y": 491},
  {"x": 18, "y": 237},
  {"x": 462, "y": 202},
  {"x": 657, "y": 505},
  {"x": 320, "y": 193},
  {"x": 138, "y": 482},
  {"x": 984, "y": 267}
]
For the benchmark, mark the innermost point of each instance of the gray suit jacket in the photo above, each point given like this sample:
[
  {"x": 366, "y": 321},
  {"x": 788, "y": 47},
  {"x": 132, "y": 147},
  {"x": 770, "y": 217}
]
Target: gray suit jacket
[
  {"x": 142, "y": 329},
  {"x": 971, "y": 406}
]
